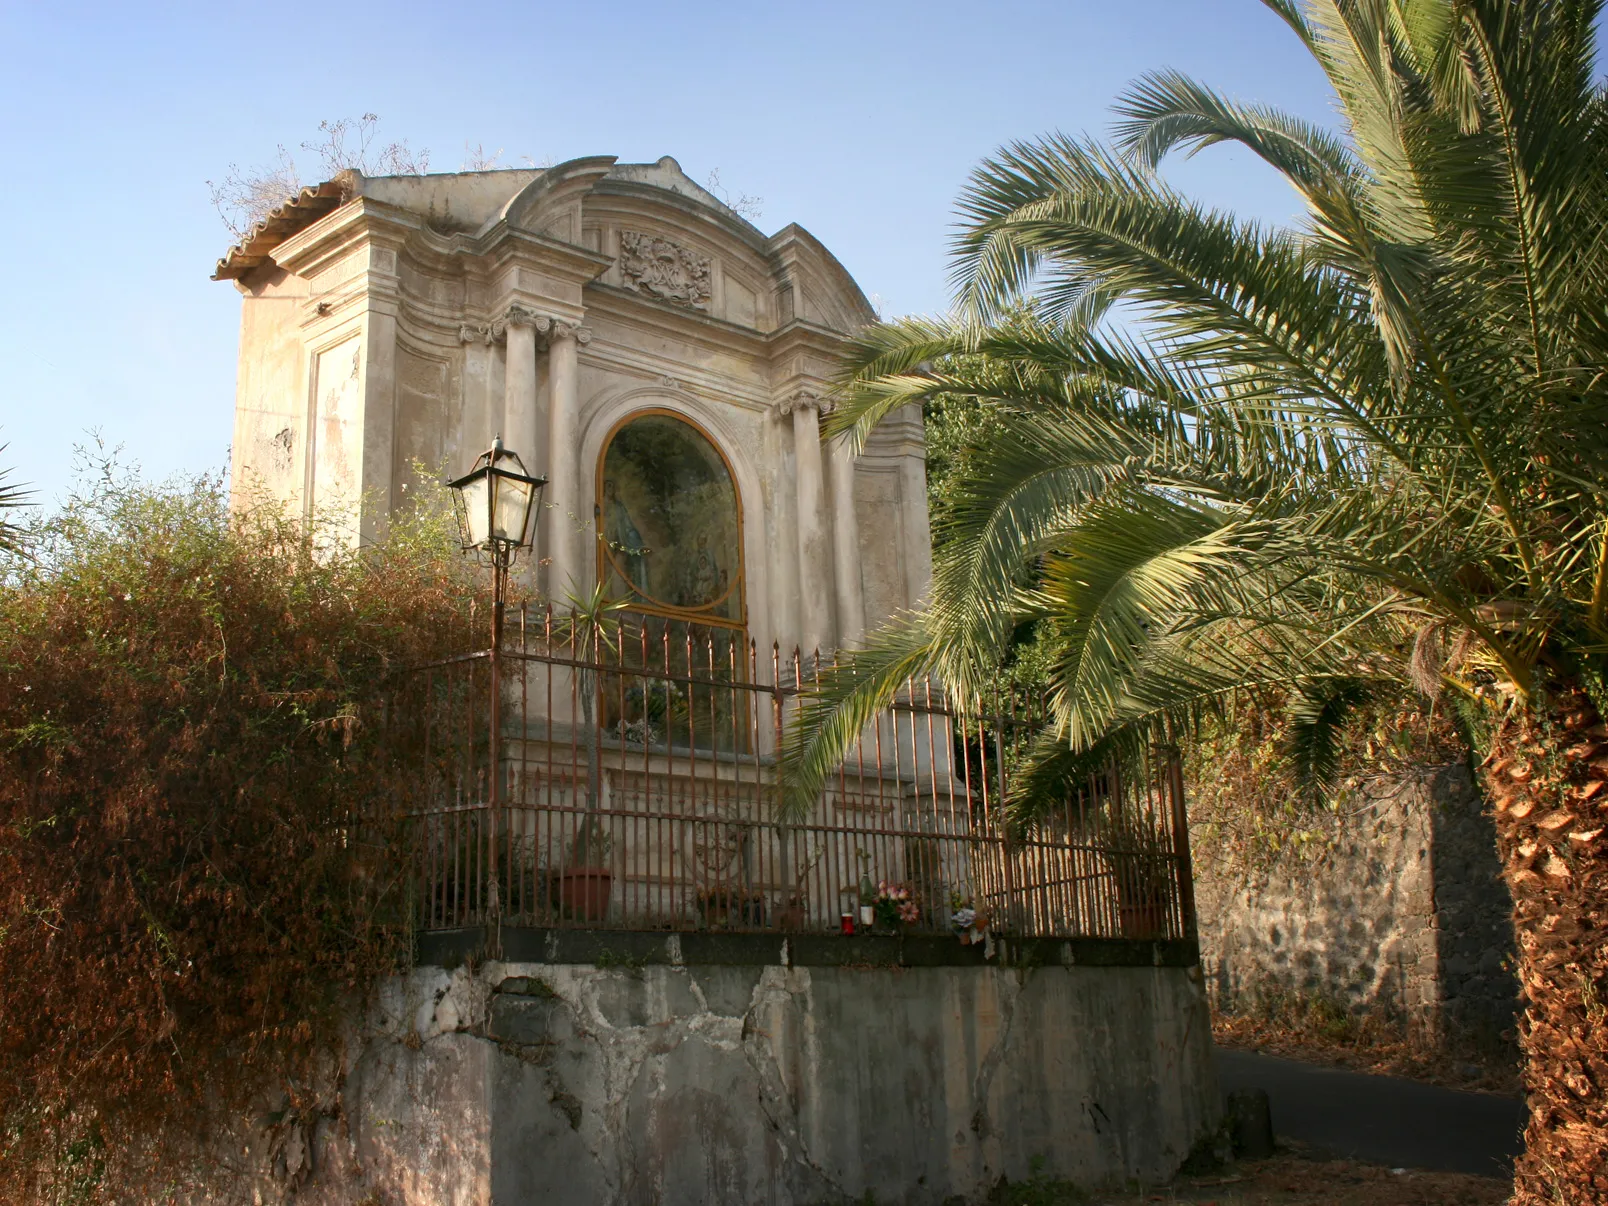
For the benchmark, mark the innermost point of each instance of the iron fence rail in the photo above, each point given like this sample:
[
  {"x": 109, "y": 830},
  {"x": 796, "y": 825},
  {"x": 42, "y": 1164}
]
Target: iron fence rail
[{"x": 637, "y": 787}]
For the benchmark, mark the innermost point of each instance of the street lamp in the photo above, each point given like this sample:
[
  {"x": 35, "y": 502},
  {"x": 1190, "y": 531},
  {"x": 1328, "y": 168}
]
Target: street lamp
[{"x": 496, "y": 502}]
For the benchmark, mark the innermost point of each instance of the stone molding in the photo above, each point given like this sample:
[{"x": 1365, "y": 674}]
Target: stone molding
[{"x": 664, "y": 269}]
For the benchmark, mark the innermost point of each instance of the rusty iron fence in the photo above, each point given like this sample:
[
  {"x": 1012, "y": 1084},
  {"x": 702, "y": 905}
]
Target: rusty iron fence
[{"x": 632, "y": 783}]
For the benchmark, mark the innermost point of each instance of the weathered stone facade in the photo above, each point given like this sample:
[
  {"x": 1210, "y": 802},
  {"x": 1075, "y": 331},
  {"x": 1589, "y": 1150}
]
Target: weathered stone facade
[
  {"x": 733, "y": 1085},
  {"x": 399, "y": 321},
  {"x": 1406, "y": 913}
]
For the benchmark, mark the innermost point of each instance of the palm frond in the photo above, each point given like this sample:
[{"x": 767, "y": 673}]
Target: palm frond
[
  {"x": 1307, "y": 446},
  {"x": 1319, "y": 710},
  {"x": 838, "y": 707}
]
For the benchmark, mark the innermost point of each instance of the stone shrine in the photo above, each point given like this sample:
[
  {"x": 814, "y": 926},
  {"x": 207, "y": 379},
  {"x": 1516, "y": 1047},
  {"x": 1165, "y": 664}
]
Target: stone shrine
[
  {"x": 656, "y": 356},
  {"x": 637, "y": 981}
]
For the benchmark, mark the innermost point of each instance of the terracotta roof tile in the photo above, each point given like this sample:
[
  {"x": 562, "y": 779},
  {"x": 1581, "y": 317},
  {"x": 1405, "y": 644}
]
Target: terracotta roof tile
[{"x": 284, "y": 220}]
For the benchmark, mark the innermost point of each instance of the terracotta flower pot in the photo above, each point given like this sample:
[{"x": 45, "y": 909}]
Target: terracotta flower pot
[
  {"x": 1143, "y": 918},
  {"x": 583, "y": 893}
]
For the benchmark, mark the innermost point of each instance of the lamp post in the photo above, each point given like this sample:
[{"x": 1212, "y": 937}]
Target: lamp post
[{"x": 495, "y": 502}]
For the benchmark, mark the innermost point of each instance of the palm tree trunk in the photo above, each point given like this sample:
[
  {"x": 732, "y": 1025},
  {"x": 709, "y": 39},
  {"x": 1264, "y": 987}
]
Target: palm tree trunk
[{"x": 1547, "y": 777}]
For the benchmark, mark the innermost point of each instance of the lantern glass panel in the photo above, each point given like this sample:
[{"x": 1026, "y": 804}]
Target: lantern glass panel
[
  {"x": 513, "y": 506},
  {"x": 475, "y": 513}
]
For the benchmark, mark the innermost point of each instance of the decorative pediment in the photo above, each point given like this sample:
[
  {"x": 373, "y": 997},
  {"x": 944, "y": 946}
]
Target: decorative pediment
[{"x": 665, "y": 270}]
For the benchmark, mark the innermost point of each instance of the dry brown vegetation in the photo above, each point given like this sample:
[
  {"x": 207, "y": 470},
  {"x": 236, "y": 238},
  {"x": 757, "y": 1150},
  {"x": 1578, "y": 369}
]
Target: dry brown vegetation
[
  {"x": 1371, "y": 1044},
  {"x": 189, "y": 723},
  {"x": 1295, "y": 1179}
]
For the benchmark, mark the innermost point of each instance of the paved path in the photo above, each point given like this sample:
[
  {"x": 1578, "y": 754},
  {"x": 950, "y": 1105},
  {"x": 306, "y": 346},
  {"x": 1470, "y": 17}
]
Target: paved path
[{"x": 1381, "y": 1119}]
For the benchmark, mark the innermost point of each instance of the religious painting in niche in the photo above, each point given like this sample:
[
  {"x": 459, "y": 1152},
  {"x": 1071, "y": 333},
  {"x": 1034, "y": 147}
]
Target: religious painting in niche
[{"x": 668, "y": 515}]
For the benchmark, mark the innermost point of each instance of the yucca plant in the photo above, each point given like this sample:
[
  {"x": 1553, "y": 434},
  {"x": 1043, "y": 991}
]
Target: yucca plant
[
  {"x": 1369, "y": 451},
  {"x": 585, "y": 629},
  {"x": 12, "y": 496}
]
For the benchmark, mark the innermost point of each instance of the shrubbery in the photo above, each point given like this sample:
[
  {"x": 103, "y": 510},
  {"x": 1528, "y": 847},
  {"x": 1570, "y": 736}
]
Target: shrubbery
[{"x": 190, "y": 719}]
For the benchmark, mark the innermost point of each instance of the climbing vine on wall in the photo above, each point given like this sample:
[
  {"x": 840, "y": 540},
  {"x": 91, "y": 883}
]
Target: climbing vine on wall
[{"x": 1247, "y": 809}]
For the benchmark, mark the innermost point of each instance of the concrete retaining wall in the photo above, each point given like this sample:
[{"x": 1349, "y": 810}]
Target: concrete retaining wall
[{"x": 574, "y": 1083}]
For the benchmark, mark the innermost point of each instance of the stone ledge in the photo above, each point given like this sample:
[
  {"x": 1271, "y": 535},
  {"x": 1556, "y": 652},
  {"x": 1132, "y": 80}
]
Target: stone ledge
[{"x": 639, "y": 948}]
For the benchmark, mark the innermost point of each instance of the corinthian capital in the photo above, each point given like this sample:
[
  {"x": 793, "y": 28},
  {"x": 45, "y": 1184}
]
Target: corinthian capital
[
  {"x": 487, "y": 333},
  {"x": 518, "y": 316},
  {"x": 803, "y": 399},
  {"x": 561, "y": 328}
]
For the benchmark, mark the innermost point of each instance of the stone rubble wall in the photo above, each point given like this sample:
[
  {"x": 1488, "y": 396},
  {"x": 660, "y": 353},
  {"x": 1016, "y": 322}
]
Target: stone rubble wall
[
  {"x": 1406, "y": 914},
  {"x": 784, "y": 1085}
]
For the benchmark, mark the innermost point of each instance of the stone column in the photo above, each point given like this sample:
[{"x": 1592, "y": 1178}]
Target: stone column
[
  {"x": 913, "y": 505},
  {"x": 519, "y": 430},
  {"x": 846, "y": 545},
  {"x": 814, "y": 568},
  {"x": 569, "y": 519}
]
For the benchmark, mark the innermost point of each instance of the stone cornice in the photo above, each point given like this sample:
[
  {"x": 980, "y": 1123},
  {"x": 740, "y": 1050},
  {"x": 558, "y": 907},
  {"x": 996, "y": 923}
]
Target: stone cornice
[
  {"x": 801, "y": 335},
  {"x": 738, "y": 389},
  {"x": 360, "y": 222},
  {"x": 504, "y": 245},
  {"x": 364, "y": 221},
  {"x": 799, "y": 256},
  {"x": 641, "y": 312}
]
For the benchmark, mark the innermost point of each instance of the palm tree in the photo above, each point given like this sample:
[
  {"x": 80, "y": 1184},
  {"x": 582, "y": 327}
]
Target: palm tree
[{"x": 1370, "y": 449}]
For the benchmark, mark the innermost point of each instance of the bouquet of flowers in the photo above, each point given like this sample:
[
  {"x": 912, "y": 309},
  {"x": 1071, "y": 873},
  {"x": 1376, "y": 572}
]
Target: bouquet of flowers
[
  {"x": 896, "y": 905},
  {"x": 968, "y": 924}
]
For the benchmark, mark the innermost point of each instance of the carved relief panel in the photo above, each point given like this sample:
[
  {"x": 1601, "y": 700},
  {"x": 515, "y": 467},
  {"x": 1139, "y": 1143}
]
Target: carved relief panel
[{"x": 662, "y": 269}]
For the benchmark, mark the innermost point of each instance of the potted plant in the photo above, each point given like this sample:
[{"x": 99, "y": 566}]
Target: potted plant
[
  {"x": 1140, "y": 857},
  {"x": 966, "y": 921},
  {"x": 585, "y": 882}
]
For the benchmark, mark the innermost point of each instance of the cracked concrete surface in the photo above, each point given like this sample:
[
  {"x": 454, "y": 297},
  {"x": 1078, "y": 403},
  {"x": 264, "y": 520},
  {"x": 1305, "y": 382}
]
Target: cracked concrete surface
[{"x": 725, "y": 1085}]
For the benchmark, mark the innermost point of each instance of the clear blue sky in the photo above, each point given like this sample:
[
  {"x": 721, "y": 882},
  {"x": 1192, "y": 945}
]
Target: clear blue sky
[{"x": 858, "y": 121}]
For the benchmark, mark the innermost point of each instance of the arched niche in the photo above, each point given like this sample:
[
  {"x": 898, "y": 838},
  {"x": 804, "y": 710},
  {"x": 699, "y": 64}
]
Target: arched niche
[
  {"x": 670, "y": 521},
  {"x": 737, "y": 433}
]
